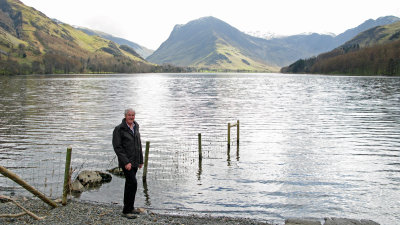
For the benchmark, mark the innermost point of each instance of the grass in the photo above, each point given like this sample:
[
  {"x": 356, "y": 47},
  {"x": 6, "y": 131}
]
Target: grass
[{"x": 236, "y": 60}]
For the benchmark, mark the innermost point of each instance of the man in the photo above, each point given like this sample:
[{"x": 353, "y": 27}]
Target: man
[{"x": 128, "y": 147}]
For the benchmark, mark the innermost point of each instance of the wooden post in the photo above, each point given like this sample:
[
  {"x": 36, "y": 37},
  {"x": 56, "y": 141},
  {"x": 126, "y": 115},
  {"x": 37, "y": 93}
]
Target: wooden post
[
  {"x": 237, "y": 131},
  {"x": 28, "y": 187},
  {"x": 200, "y": 158},
  {"x": 66, "y": 175},
  {"x": 146, "y": 161},
  {"x": 200, "y": 153},
  {"x": 229, "y": 136}
]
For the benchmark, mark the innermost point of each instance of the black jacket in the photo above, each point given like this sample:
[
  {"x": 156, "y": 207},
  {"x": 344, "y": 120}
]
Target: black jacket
[{"x": 127, "y": 145}]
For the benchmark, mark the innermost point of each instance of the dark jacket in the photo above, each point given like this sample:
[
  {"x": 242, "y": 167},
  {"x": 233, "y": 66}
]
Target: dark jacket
[{"x": 127, "y": 145}]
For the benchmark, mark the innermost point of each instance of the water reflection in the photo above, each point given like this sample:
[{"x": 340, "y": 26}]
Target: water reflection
[
  {"x": 146, "y": 194},
  {"x": 200, "y": 170},
  {"x": 237, "y": 152}
]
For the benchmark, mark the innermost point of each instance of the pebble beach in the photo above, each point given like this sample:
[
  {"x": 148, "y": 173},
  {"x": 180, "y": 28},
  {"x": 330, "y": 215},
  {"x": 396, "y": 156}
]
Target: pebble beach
[{"x": 78, "y": 212}]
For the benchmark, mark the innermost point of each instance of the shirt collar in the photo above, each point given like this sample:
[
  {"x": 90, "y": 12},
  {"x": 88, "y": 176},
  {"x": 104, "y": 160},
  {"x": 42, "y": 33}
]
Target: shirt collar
[{"x": 133, "y": 126}]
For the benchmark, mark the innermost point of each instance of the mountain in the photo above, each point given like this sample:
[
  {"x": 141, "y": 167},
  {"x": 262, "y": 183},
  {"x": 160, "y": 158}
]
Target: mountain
[
  {"x": 213, "y": 44},
  {"x": 351, "y": 33},
  {"x": 210, "y": 42},
  {"x": 30, "y": 42},
  {"x": 372, "y": 52},
  {"x": 291, "y": 48},
  {"x": 308, "y": 45},
  {"x": 142, "y": 51}
]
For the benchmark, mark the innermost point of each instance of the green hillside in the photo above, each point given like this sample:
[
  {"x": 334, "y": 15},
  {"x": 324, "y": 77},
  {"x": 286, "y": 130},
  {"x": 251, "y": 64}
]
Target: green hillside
[
  {"x": 209, "y": 43},
  {"x": 30, "y": 42},
  {"x": 230, "y": 58},
  {"x": 372, "y": 52},
  {"x": 142, "y": 51}
]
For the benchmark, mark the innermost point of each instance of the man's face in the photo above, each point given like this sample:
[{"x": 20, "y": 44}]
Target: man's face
[{"x": 130, "y": 117}]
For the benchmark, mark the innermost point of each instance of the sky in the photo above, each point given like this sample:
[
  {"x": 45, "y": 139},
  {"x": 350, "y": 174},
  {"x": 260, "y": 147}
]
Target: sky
[{"x": 150, "y": 22}]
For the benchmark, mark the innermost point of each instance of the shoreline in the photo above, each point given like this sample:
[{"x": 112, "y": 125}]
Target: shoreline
[{"x": 82, "y": 212}]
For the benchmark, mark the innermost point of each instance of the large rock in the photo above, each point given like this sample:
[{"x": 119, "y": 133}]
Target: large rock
[
  {"x": 77, "y": 187},
  {"x": 89, "y": 178},
  {"x": 344, "y": 221},
  {"x": 93, "y": 178}
]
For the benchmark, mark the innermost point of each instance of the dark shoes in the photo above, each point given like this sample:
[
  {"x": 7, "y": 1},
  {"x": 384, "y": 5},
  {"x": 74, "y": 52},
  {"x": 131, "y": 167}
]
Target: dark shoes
[
  {"x": 132, "y": 214},
  {"x": 129, "y": 215}
]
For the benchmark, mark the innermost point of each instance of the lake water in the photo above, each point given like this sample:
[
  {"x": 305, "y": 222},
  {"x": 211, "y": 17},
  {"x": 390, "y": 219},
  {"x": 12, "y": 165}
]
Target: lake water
[{"x": 310, "y": 146}]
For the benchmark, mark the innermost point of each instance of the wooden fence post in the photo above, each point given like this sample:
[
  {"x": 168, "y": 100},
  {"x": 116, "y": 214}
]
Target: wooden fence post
[
  {"x": 146, "y": 161},
  {"x": 66, "y": 176},
  {"x": 200, "y": 153},
  {"x": 229, "y": 136},
  {"x": 237, "y": 131}
]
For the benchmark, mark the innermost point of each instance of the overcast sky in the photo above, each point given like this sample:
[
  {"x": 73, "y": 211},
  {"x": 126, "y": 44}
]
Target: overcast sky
[{"x": 150, "y": 22}]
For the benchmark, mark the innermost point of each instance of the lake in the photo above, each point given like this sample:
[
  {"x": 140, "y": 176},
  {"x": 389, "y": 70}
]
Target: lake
[{"x": 310, "y": 146}]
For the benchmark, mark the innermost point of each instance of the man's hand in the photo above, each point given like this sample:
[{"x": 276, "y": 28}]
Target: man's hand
[
  {"x": 128, "y": 166},
  {"x": 140, "y": 166}
]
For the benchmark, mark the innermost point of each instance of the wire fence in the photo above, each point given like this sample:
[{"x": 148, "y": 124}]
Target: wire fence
[
  {"x": 167, "y": 161},
  {"x": 45, "y": 175}
]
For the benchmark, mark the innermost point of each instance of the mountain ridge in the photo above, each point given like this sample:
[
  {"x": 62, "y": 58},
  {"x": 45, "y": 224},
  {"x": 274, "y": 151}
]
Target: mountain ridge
[
  {"x": 141, "y": 50},
  {"x": 210, "y": 42},
  {"x": 372, "y": 52},
  {"x": 30, "y": 42},
  {"x": 180, "y": 49}
]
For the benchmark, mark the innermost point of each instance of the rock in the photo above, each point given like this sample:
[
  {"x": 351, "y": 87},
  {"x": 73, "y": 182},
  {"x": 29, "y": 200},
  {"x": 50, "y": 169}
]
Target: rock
[
  {"x": 116, "y": 171},
  {"x": 299, "y": 221},
  {"x": 105, "y": 177},
  {"x": 344, "y": 221},
  {"x": 89, "y": 178},
  {"x": 76, "y": 186},
  {"x": 141, "y": 210}
]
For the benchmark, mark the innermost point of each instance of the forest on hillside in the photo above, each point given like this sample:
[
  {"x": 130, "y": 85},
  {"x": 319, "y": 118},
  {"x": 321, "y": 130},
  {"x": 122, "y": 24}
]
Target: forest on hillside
[
  {"x": 57, "y": 63},
  {"x": 22, "y": 60},
  {"x": 376, "y": 60}
]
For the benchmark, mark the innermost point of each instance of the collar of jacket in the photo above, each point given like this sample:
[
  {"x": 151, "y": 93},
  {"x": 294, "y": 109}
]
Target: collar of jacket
[{"x": 125, "y": 126}]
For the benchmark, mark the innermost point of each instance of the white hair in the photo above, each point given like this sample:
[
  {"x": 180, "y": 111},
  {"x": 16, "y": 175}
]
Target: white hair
[{"x": 129, "y": 110}]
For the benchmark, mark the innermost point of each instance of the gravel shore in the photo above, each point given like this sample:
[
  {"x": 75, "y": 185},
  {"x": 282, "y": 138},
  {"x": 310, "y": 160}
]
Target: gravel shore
[{"x": 77, "y": 212}]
